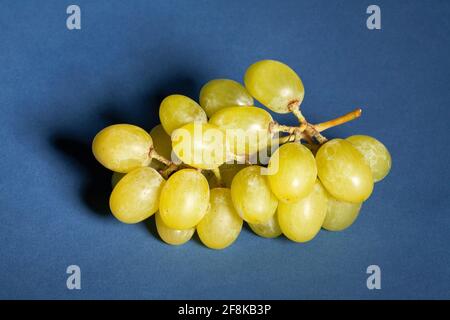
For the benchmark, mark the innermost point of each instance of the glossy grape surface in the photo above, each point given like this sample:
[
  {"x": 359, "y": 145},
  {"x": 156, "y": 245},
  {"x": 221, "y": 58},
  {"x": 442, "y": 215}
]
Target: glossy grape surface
[
  {"x": 252, "y": 197},
  {"x": 221, "y": 225},
  {"x": 246, "y": 128},
  {"x": 375, "y": 153},
  {"x": 220, "y": 93},
  {"x": 177, "y": 110},
  {"x": 340, "y": 214},
  {"x": 136, "y": 195},
  {"x": 172, "y": 236},
  {"x": 184, "y": 199},
  {"x": 343, "y": 171},
  {"x": 200, "y": 145},
  {"x": 301, "y": 221},
  {"x": 274, "y": 84},
  {"x": 122, "y": 147},
  {"x": 269, "y": 229},
  {"x": 293, "y": 172}
]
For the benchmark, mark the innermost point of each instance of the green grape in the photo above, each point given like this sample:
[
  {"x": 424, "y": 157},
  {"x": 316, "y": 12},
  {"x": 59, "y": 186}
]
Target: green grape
[
  {"x": 162, "y": 145},
  {"x": 340, "y": 214},
  {"x": 122, "y": 147},
  {"x": 221, "y": 225},
  {"x": 252, "y": 197},
  {"x": 200, "y": 145},
  {"x": 246, "y": 128},
  {"x": 268, "y": 229},
  {"x": 301, "y": 221},
  {"x": 220, "y": 93},
  {"x": 343, "y": 171},
  {"x": 136, "y": 196},
  {"x": 292, "y": 172},
  {"x": 116, "y": 177},
  {"x": 274, "y": 84},
  {"x": 375, "y": 154},
  {"x": 172, "y": 236},
  {"x": 177, "y": 110},
  {"x": 184, "y": 199}
]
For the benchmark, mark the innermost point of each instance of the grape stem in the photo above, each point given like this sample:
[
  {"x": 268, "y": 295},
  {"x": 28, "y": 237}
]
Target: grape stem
[
  {"x": 338, "y": 121},
  {"x": 313, "y": 132},
  {"x": 218, "y": 176},
  {"x": 155, "y": 155}
]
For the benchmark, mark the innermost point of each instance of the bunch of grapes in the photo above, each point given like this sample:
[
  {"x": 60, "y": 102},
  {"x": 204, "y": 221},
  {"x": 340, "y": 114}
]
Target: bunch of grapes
[{"x": 196, "y": 171}]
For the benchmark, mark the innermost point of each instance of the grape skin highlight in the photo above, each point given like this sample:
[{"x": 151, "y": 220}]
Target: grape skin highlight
[
  {"x": 220, "y": 93},
  {"x": 122, "y": 147},
  {"x": 343, "y": 171},
  {"x": 184, "y": 199},
  {"x": 269, "y": 229},
  {"x": 221, "y": 225},
  {"x": 252, "y": 197},
  {"x": 177, "y": 110},
  {"x": 274, "y": 84},
  {"x": 293, "y": 172},
  {"x": 136, "y": 195},
  {"x": 375, "y": 154},
  {"x": 301, "y": 221},
  {"x": 171, "y": 236},
  {"x": 340, "y": 214}
]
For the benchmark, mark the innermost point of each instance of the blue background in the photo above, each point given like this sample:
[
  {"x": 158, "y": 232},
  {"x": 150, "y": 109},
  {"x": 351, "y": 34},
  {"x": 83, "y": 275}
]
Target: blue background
[{"x": 59, "y": 87}]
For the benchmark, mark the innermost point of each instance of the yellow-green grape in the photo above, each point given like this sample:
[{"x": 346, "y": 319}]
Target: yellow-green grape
[
  {"x": 200, "y": 145},
  {"x": 375, "y": 153},
  {"x": 116, "y": 177},
  {"x": 220, "y": 93},
  {"x": 221, "y": 225},
  {"x": 340, "y": 214},
  {"x": 136, "y": 196},
  {"x": 274, "y": 84},
  {"x": 246, "y": 128},
  {"x": 162, "y": 145},
  {"x": 343, "y": 171},
  {"x": 252, "y": 197},
  {"x": 172, "y": 236},
  {"x": 184, "y": 199},
  {"x": 228, "y": 171},
  {"x": 122, "y": 147},
  {"x": 292, "y": 172},
  {"x": 301, "y": 221},
  {"x": 269, "y": 229},
  {"x": 177, "y": 110}
]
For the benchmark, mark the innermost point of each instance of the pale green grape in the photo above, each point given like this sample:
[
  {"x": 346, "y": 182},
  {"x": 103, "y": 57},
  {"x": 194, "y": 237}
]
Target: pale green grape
[
  {"x": 177, "y": 110},
  {"x": 246, "y": 128},
  {"x": 221, "y": 225},
  {"x": 343, "y": 171},
  {"x": 340, "y": 214},
  {"x": 172, "y": 236},
  {"x": 136, "y": 195},
  {"x": 122, "y": 147},
  {"x": 200, "y": 145},
  {"x": 268, "y": 229},
  {"x": 252, "y": 197},
  {"x": 116, "y": 177},
  {"x": 184, "y": 199},
  {"x": 375, "y": 153},
  {"x": 301, "y": 221},
  {"x": 274, "y": 84},
  {"x": 292, "y": 172},
  {"x": 220, "y": 93},
  {"x": 162, "y": 145}
]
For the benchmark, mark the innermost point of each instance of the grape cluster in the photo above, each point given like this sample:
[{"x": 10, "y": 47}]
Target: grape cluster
[{"x": 196, "y": 170}]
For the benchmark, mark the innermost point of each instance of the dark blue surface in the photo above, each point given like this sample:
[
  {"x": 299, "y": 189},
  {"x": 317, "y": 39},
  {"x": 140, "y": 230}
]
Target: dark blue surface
[{"x": 59, "y": 87}]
